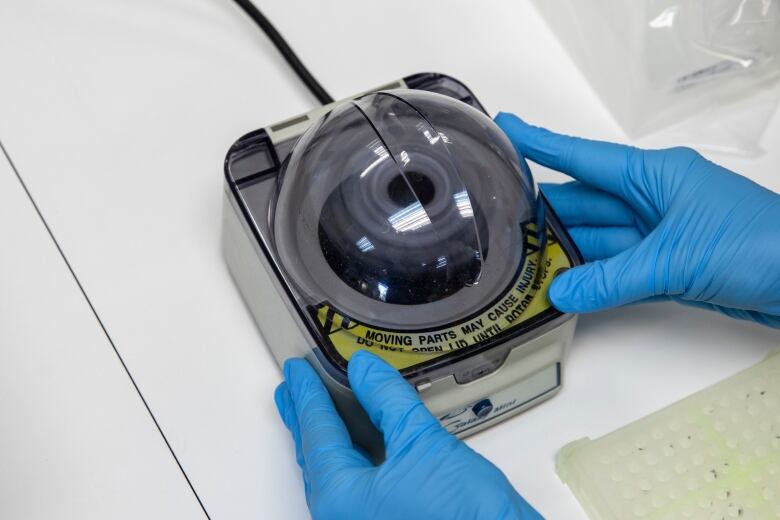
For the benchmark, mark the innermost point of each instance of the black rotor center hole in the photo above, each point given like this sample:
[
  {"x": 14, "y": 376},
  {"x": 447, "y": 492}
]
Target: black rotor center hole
[{"x": 422, "y": 189}]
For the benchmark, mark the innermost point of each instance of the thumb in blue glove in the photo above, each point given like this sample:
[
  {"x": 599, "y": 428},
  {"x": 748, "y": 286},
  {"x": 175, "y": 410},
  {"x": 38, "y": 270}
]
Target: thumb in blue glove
[
  {"x": 427, "y": 474},
  {"x": 658, "y": 223}
]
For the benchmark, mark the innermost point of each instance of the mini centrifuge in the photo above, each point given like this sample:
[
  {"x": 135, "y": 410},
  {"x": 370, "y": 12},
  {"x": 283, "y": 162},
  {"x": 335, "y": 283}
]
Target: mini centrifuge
[{"x": 402, "y": 221}]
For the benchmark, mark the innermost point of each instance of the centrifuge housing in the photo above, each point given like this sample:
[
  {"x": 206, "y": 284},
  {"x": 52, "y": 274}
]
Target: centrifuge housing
[{"x": 402, "y": 221}]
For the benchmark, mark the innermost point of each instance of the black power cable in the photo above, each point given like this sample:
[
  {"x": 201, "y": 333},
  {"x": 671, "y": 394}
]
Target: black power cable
[{"x": 288, "y": 54}]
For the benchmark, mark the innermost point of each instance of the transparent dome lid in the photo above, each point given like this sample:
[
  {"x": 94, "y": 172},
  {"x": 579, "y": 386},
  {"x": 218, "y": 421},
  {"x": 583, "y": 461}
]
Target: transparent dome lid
[{"x": 404, "y": 209}]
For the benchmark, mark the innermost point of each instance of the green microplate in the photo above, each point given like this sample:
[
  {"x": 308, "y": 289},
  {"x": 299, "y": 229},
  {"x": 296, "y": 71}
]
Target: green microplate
[{"x": 713, "y": 455}]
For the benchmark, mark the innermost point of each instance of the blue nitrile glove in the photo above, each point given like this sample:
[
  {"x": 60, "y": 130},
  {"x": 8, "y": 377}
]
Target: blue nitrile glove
[
  {"x": 658, "y": 223},
  {"x": 428, "y": 473}
]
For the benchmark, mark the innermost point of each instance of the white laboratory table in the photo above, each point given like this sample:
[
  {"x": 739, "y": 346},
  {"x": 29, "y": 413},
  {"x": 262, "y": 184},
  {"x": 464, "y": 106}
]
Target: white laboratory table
[
  {"x": 117, "y": 115},
  {"x": 75, "y": 439}
]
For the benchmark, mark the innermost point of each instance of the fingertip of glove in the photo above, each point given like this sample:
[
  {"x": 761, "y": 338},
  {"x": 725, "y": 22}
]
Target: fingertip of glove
[
  {"x": 288, "y": 368},
  {"x": 295, "y": 369},
  {"x": 560, "y": 294},
  {"x": 365, "y": 367},
  {"x": 284, "y": 404},
  {"x": 575, "y": 291},
  {"x": 363, "y": 354},
  {"x": 505, "y": 118},
  {"x": 280, "y": 398},
  {"x": 361, "y": 361}
]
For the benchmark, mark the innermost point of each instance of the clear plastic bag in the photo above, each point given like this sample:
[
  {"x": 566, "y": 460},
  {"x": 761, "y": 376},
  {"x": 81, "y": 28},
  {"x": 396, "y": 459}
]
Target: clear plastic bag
[{"x": 706, "y": 68}]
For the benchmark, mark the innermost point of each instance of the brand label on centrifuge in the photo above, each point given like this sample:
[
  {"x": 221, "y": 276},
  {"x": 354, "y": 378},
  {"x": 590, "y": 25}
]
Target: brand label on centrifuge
[
  {"x": 524, "y": 300},
  {"x": 503, "y": 402}
]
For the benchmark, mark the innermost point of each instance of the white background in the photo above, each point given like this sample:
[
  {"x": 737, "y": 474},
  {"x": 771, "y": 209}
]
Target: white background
[{"x": 117, "y": 114}]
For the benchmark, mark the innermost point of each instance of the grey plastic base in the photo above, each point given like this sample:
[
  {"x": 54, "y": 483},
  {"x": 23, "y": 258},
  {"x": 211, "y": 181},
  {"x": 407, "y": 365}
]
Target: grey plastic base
[{"x": 531, "y": 373}]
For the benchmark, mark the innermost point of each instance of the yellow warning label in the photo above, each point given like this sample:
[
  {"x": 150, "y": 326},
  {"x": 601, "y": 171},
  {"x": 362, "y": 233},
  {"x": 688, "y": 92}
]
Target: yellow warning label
[{"x": 524, "y": 300}]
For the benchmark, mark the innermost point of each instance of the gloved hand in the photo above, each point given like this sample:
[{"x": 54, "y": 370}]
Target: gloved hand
[
  {"x": 427, "y": 473},
  {"x": 658, "y": 223}
]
